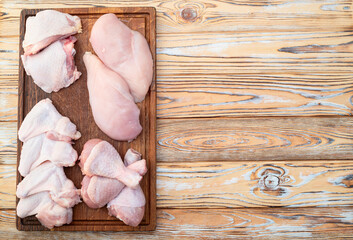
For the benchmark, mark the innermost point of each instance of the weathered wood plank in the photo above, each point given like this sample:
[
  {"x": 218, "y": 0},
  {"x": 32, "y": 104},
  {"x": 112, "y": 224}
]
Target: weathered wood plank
[
  {"x": 8, "y": 142},
  {"x": 273, "y": 223},
  {"x": 255, "y": 139},
  {"x": 240, "y": 72},
  {"x": 8, "y": 103},
  {"x": 227, "y": 139},
  {"x": 212, "y": 15},
  {"x": 237, "y": 184},
  {"x": 7, "y": 186}
]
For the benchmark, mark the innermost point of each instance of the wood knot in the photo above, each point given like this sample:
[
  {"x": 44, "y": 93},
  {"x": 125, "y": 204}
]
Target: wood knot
[
  {"x": 189, "y": 14},
  {"x": 271, "y": 182}
]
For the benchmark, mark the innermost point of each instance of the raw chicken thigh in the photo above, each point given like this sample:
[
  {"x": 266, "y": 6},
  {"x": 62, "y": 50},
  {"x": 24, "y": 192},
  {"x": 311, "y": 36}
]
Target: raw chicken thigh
[
  {"x": 53, "y": 68},
  {"x": 40, "y": 149},
  {"x": 44, "y": 118},
  {"x": 129, "y": 205},
  {"x": 113, "y": 107},
  {"x": 47, "y": 27},
  {"x": 103, "y": 160},
  {"x": 124, "y": 51}
]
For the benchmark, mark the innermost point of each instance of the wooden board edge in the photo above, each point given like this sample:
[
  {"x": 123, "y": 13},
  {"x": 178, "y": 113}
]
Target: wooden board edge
[{"x": 151, "y": 11}]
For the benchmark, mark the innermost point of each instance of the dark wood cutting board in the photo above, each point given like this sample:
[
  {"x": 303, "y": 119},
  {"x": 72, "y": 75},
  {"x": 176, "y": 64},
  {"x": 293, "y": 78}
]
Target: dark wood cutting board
[{"x": 73, "y": 103}]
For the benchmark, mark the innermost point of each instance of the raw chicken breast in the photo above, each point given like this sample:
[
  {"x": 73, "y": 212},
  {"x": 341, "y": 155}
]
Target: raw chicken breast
[
  {"x": 125, "y": 51},
  {"x": 49, "y": 178},
  {"x": 47, "y": 211},
  {"x": 129, "y": 205},
  {"x": 44, "y": 118},
  {"x": 113, "y": 107},
  {"x": 103, "y": 160},
  {"x": 47, "y": 27},
  {"x": 40, "y": 149},
  {"x": 53, "y": 68}
]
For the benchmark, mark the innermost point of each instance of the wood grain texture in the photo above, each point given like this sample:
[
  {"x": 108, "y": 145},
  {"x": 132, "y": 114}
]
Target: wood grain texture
[
  {"x": 311, "y": 138},
  {"x": 254, "y": 139},
  {"x": 230, "y": 59},
  {"x": 237, "y": 139},
  {"x": 272, "y": 223},
  {"x": 73, "y": 102},
  {"x": 8, "y": 143},
  {"x": 237, "y": 184}
]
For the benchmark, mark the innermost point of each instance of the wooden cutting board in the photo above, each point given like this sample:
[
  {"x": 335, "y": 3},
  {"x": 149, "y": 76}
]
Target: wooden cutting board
[{"x": 73, "y": 103}]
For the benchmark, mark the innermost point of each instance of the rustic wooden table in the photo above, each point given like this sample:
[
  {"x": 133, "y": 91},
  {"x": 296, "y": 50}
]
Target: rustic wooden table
[{"x": 254, "y": 113}]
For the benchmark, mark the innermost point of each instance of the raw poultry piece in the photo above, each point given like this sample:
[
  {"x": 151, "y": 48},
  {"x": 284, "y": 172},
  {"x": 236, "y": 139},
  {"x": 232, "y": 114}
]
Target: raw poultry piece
[
  {"x": 47, "y": 27},
  {"x": 47, "y": 211},
  {"x": 49, "y": 178},
  {"x": 113, "y": 107},
  {"x": 44, "y": 118},
  {"x": 97, "y": 191},
  {"x": 101, "y": 159},
  {"x": 129, "y": 205},
  {"x": 124, "y": 51},
  {"x": 53, "y": 68},
  {"x": 40, "y": 148}
]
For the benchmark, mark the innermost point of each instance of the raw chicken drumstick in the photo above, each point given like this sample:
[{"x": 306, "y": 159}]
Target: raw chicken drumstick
[
  {"x": 97, "y": 191},
  {"x": 124, "y": 51},
  {"x": 53, "y": 68},
  {"x": 129, "y": 205},
  {"x": 47, "y": 27},
  {"x": 113, "y": 107},
  {"x": 44, "y": 118},
  {"x": 101, "y": 159}
]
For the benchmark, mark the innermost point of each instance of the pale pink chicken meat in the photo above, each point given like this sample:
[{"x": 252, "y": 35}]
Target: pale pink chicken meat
[
  {"x": 49, "y": 178},
  {"x": 44, "y": 118},
  {"x": 97, "y": 191},
  {"x": 129, "y": 205},
  {"x": 103, "y": 160},
  {"x": 113, "y": 107},
  {"x": 53, "y": 68},
  {"x": 40, "y": 148},
  {"x": 46, "y": 210},
  {"x": 124, "y": 51},
  {"x": 47, "y": 27}
]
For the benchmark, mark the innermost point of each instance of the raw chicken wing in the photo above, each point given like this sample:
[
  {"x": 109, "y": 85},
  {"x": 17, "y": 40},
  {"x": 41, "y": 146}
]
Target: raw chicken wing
[
  {"x": 47, "y": 211},
  {"x": 44, "y": 118},
  {"x": 47, "y": 27},
  {"x": 40, "y": 148},
  {"x": 124, "y": 51},
  {"x": 49, "y": 178}
]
